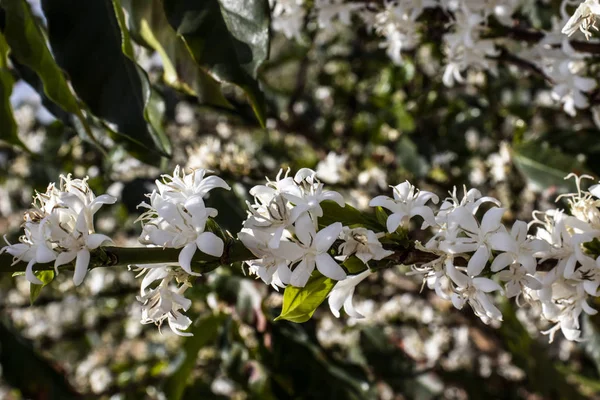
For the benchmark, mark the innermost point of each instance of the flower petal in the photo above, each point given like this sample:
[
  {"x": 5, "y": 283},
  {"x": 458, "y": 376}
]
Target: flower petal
[
  {"x": 81, "y": 266},
  {"x": 210, "y": 244},
  {"x": 30, "y": 275},
  {"x": 94, "y": 240},
  {"x": 477, "y": 261},
  {"x": 328, "y": 267},
  {"x": 326, "y": 236},
  {"x": 185, "y": 257},
  {"x": 302, "y": 272}
]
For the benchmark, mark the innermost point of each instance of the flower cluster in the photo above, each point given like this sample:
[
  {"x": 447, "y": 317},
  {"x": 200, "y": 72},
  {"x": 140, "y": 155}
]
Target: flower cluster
[
  {"x": 284, "y": 232},
  {"x": 60, "y": 228},
  {"x": 466, "y": 42},
  {"x": 177, "y": 217},
  {"x": 165, "y": 300}
]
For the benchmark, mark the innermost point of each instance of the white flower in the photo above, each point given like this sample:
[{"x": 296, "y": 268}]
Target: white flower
[
  {"x": 363, "y": 243},
  {"x": 315, "y": 246},
  {"x": 479, "y": 238},
  {"x": 273, "y": 264},
  {"x": 164, "y": 301},
  {"x": 517, "y": 277},
  {"x": 517, "y": 247},
  {"x": 474, "y": 291},
  {"x": 406, "y": 204},
  {"x": 181, "y": 186},
  {"x": 60, "y": 228},
  {"x": 583, "y": 19},
  {"x": 332, "y": 169},
  {"x": 177, "y": 216},
  {"x": 342, "y": 292}
]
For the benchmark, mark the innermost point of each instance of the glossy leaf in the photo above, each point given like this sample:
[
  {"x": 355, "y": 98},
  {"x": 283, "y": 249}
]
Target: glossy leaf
[
  {"x": 230, "y": 42},
  {"x": 149, "y": 26},
  {"x": 545, "y": 166},
  {"x": 347, "y": 215},
  {"x": 28, "y": 46},
  {"x": 205, "y": 330},
  {"x": 7, "y": 119},
  {"x": 106, "y": 79},
  {"x": 299, "y": 304},
  {"x": 34, "y": 290}
]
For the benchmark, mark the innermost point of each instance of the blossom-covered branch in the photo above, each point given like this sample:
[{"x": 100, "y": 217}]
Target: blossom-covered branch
[{"x": 298, "y": 233}]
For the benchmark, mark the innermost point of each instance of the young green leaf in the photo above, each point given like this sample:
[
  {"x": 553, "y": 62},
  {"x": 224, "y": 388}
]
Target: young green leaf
[
  {"x": 299, "y": 304},
  {"x": 34, "y": 290}
]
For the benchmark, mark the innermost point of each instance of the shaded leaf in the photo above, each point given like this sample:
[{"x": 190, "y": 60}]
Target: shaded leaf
[
  {"x": 205, "y": 330},
  {"x": 28, "y": 47},
  {"x": 299, "y": 304},
  {"x": 106, "y": 79},
  {"x": 8, "y": 133},
  {"x": 545, "y": 166},
  {"x": 347, "y": 215},
  {"x": 149, "y": 27},
  {"x": 34, "y": 290},
  {"x": 230, "y": 42},
  {"x": 25, "y": 369}
]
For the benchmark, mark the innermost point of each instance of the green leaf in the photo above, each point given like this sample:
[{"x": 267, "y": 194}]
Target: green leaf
[
  {"x": 149, "y": 26},
  {"x": 88, "y": 44},
  {"x": 205, "y": 330},
  {"x": 347, "y": 215},
  {"x": 26, "y": 370},
  {"x": 545, "y": 166},
  {"x": 226, "y": 39},
  {"x": 28, "y": 46},
  {"x": 354, "y": 265},
  {"x": 299, "y": 304},
  {"x": 408, "y": 157},
  {"x": 382, "y": 216},
  {"x": 34, "y": 290},
  {"x": 8, "y": 133}
]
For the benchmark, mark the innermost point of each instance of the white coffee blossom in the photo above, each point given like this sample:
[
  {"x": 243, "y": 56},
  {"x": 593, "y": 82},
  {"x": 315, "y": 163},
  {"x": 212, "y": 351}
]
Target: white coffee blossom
[
  {"x": 176, "y": 216},
  {"x": 583, "y": 19},
  {"x": 165, "y": 300},
  {"x": 60, "y": 228},
  {"x": 282, "y": 230},
  {"x": 363, "y": 243},
  {"x": 342, "y": 292},
  {"x": 406, "y": 204}
]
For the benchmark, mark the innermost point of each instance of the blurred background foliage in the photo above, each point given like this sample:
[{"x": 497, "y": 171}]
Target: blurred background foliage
[{"x": 123, "y": 91}]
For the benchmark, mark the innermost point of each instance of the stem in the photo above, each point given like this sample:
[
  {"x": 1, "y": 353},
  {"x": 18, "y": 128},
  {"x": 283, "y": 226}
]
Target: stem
[{"x": 123, "y": 256}]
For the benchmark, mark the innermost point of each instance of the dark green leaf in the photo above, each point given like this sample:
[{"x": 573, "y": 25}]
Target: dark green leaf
[
  {"x": 8, "y": 133},
  {"x": 299, "y": 304},
  {"x": 228, "y": 40},
  {"x": 34, "y": 290},
  {"x": 347, "y": 215},
  {"x": 28, "y": 47},
  {"x": 545, "y": 166},
  {"x": 205, "y": 330},
  {"x": 149, "y": 27},
  {"x": 23, "y": 368},
  {"x": 87, "y": 42}
]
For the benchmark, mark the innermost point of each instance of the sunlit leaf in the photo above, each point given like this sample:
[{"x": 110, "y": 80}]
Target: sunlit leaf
[
  {"x": 299, "y": 304},
  {"x": 34, "y": 290}
]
